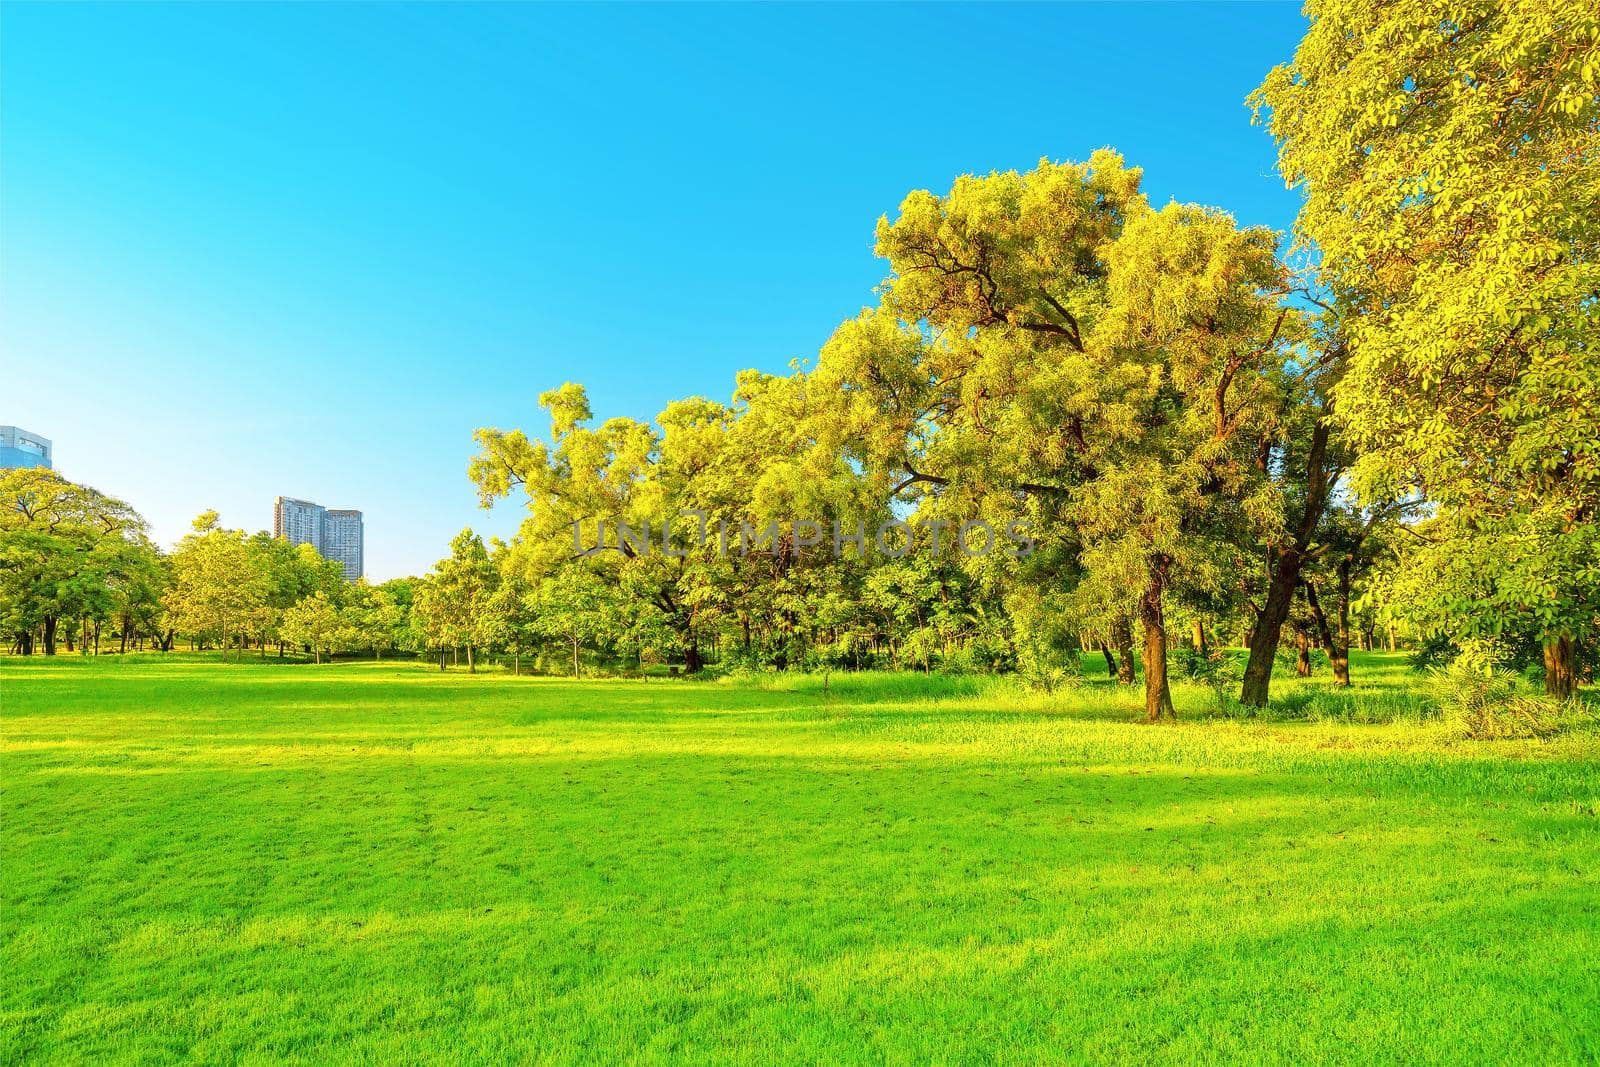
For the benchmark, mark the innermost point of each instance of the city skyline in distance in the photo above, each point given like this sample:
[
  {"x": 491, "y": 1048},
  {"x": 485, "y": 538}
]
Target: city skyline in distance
[{"x": 342, "y": 539}]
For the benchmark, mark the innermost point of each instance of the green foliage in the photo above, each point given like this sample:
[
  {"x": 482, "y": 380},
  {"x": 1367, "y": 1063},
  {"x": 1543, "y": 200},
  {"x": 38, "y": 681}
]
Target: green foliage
[
  {"x": 1048, "y": 677},
  {"x": 1447, "y": 160},
  {"x": 1219, "y": 669},
  {"x": 452, "y": 604},
  {"x": 1435, "y": 651},
  {"x": 67, "y": 553},
  {"x": 316, "y": 623},
  {"x": 1485, "y": 705}
]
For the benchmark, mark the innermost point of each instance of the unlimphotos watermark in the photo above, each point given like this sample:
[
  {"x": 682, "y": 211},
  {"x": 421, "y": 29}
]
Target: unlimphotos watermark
[{"x": 895, "y": 538}]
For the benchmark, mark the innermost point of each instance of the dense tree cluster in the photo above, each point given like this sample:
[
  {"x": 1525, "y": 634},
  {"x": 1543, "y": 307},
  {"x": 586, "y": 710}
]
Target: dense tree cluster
[
  {"x": 75, "y": 564},
  {"x": 1166, "y": 432}
]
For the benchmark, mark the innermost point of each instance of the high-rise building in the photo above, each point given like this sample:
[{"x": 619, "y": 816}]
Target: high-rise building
[
  {"x": 336, "y": 533},
  {"x": 19, "y": 448},
  {"x": 298, "y": 522},
  {"x": 341, "y": 540}
]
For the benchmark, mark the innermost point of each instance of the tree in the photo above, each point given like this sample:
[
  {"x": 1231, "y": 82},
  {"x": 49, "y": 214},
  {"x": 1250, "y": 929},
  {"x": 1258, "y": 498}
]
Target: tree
[
  {"x": 654, "y": 508},
  {"x": 384, "y": 620},
  {"x": 1447, "y": 166},
  {"x": 607, "y": 475},
  {"x": 287, "y": 574},
  {"x": 452, "y": 602},
  {"x": 216, "y": 582},
  {"x": 66, "y": 552},
  {"x": 315, "y": 622},
  {"x": 137, "y": 595},
  {"x": 1049, "y": 345},
  {"x": 508, "y": 620},
  {"x": 571, "y": 606}
]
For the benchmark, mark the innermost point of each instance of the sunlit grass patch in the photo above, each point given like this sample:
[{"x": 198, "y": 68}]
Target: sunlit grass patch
[{"x": 380, "y": 862}]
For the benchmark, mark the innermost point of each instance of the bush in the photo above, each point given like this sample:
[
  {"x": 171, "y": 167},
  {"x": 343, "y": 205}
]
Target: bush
[
  {"x": 1044, "y": 672},
  {"x": 1218, "y": 669},
  {"x": 982, "y": 655},
  {"x": 1518, "y": 650},
  {"x": 1487, "y": 715},
  {"x": 1478, "y": 698}
]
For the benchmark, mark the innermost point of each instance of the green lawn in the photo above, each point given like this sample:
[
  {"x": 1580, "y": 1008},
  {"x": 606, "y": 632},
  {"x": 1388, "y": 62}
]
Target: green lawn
[{"x": 375, "y": 862}]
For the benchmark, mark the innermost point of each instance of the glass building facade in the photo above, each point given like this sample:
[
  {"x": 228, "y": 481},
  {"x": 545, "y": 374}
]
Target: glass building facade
[{"x": 19, "y": 448}]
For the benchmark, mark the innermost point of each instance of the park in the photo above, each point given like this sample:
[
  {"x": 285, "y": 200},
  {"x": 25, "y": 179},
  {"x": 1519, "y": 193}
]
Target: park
[{"x": 800, "y": 533}]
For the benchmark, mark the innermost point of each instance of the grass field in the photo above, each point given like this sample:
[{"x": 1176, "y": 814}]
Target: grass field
[{"x": 374, "y": 862}]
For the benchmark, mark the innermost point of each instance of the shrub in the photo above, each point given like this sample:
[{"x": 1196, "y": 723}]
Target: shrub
[
  {"x": 1218, "y": 669},
  {"x": 1287, "y": 657},
  {"x": 1042, "y": 671},
  {"x": 1478, "y": 698}
]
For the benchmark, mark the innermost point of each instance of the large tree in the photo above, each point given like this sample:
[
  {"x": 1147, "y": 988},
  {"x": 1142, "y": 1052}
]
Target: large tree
[
  {"x": 218, "y": 583},
  {"x": 1448, "y": 161},
  {"x": 1048, "y": 345},
  {"x": 66, "y": 552}
]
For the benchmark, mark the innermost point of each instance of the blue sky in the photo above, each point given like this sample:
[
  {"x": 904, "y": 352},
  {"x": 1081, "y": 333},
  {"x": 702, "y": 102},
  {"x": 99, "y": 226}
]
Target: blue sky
[{"x": 248, "y": 250}]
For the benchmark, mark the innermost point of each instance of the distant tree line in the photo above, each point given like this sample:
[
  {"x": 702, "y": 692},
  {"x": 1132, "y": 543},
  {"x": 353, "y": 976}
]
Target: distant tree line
[{"x": 77, "y": 566}]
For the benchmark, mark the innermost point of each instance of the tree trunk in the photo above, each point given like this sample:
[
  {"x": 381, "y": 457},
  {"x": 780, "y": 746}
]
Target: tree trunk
[
  {"x": 575, "y": 655},
  {"x": 516, "y": 663},
  {"x": 50, "y": 635},
  {"x": 1340, "y": 652},
  {"x": 1560, "y": 667},
  {"x": 472, "y": 665},
  {"x": 1157, "y": 694},
  {"x": 1290, "y": 557},
  {"x": 1198, "y": 635},
  {"x": 1122, "y": 637},
  {"x": 1264, "y": 638},
  {"x": 1324, "y": 635},
  {"x": 1111, "y": 661},
  {"x": 1302, "y": 647},
  {"x": 692, "y": 661}
]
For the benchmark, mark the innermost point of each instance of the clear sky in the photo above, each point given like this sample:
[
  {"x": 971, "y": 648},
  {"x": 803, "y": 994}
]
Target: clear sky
[{"x": 250, "y": 250}]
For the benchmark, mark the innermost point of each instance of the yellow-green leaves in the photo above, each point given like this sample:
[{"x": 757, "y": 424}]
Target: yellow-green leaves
[{"x": 1448, "y": 158}]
